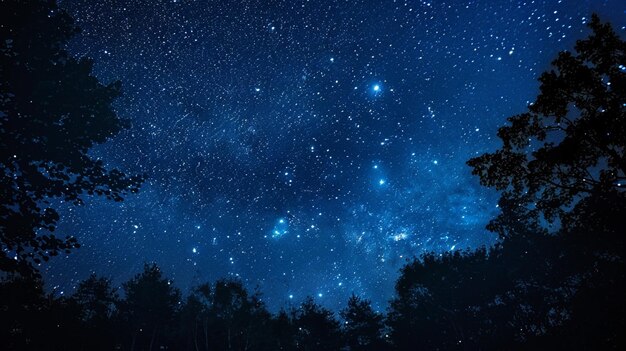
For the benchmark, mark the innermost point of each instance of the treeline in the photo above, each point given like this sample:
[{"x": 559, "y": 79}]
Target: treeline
[
  {"x": 531, "y": 292},
  {"x": 153, "y": 315}
]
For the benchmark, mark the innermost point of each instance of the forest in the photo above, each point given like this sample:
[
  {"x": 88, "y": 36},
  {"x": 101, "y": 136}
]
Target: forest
[{"x": 554, "y": 280}]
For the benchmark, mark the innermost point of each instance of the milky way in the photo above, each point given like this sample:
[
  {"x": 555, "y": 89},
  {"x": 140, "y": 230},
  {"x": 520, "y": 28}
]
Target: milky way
[{"x": 305, "y": 147}]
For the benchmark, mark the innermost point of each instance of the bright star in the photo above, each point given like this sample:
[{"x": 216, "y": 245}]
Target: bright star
[
  {"x": 376, "y": 87},
  {"x": 381, "y": 182}
]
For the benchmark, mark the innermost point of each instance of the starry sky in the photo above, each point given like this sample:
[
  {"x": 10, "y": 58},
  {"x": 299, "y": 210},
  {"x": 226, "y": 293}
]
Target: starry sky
[{"x": 308, "y": 148}]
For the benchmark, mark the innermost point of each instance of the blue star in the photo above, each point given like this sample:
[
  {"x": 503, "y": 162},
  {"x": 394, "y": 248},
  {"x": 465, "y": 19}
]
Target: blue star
[{"x": 376, "y": 89}]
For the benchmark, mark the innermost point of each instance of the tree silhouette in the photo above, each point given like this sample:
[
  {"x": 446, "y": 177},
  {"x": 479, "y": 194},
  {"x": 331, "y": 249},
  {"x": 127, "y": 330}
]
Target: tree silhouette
[
  {"x": 149, "y": 309},
  {"x": 284, "y": 330},
  {"x": 96, "y": 300},
  {"x": 33, "y": 320},
  {"x": 316, "y": 327},
  {"x": 562, "y": 171},
  {"x": 436, "y": 297},
  {"x": 196, "y": 318},
  {"x": 566, "y": 155},
  {"x": 363, "y": 326},
  {"x": 52, "y": 111},
  {"x": 241, "y": 321}
]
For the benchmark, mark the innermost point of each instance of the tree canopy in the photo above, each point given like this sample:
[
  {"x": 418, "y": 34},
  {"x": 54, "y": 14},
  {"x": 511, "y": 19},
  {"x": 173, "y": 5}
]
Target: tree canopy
[
  {"x": 560, "y": 261},
  {"x": 52, "y": 111},
  {"x": 563, "y": 161}
]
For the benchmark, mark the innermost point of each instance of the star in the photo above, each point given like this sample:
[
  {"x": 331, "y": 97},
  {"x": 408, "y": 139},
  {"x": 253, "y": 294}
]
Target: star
[{"x": 299, "y": 178}]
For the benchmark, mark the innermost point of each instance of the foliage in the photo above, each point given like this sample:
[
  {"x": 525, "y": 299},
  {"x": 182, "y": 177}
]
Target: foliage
[
  {"x": 150, "y": 307},
  {"x": 568, "y": 151},
  {"x": 316, "y": 327},
  {"x": 560, "y": 261},
  {"x": 52, "y": 111},
  {"x": 225, "y": 316},
  {"x": 363, "y": 327}
]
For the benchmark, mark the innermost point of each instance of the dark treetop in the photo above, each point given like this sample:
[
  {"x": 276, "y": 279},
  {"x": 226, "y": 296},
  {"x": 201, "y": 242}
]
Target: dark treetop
[{"x": 52, "y": 111}]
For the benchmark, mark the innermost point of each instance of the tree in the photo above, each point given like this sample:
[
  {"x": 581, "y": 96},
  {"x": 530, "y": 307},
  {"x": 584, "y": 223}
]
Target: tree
[
  {"x": 564, "y": 160},
  {"x": 226, "y": 317},
  {"x": 363, "y": 326},
  {"x": 33, "y": 320},
  {"x": 284, "y": 330},
  {"x": 195, "y": 318},
  {"x": 52, "y": 111},
  {"x": 21, "y": 304},
  {"x": 96, "y": 300},
  {"x": 436, "y": 300},
  {"x": 562, "y": 171},
  {"x": 316, "y": 327},
  {"x": 150, "y": 307},
  {"x": 240, "y": 319}
]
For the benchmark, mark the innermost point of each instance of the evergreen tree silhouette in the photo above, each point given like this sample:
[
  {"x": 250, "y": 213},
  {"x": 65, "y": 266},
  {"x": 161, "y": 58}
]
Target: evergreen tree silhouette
[
  {"x": 363, "y": 327},
  {"x": 316, "y": 327}
]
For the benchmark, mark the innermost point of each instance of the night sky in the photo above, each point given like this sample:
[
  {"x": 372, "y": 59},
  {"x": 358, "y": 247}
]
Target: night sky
[{"x": 305, "y": 147}]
